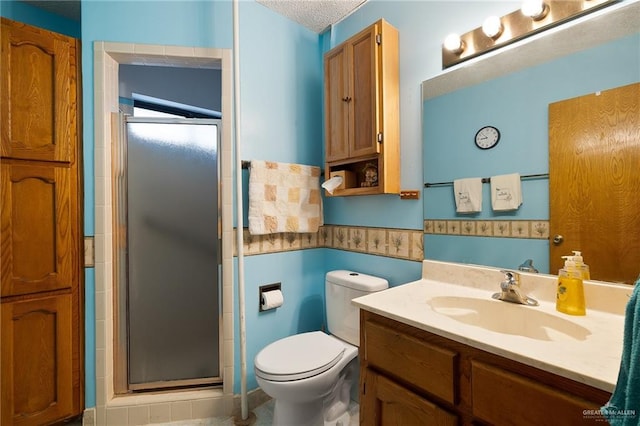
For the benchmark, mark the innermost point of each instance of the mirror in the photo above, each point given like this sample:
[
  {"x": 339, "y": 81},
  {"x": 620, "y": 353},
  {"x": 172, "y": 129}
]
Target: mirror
[{"x": 511, "y": 89}]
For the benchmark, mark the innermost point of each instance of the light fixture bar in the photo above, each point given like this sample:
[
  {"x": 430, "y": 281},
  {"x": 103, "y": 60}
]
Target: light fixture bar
[{"x": 517, "y": 26}]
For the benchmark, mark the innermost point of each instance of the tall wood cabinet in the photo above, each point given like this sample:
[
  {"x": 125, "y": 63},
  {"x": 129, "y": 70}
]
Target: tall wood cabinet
[
  {"x": 362, "y": 128},
  {"x": 40, "y": 227}
]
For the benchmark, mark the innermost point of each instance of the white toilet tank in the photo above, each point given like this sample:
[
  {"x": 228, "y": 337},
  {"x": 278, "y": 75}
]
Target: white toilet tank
[{"x": 343, "y": 318}]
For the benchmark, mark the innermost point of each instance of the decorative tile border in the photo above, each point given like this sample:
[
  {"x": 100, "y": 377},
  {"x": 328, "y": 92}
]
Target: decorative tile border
[
  {"x": 89, "y": 252},
  {"x": 531, "y": 229},
  {"x": 389, "y": 242}
]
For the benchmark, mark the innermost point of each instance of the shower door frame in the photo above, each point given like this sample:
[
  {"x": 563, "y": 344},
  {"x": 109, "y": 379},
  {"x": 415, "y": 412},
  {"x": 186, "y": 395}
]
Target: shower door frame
[{"x": 120, "y": 259}]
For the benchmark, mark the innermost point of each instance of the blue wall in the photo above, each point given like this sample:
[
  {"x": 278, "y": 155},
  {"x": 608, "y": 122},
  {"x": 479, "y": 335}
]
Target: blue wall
[
  {"x": 281, "y": 75},
  {"x": 518, "y": 105},
  {"x": 23, "y": 12},
  {"x": 422, "y": 26},
  {"x": 301, "y": 273}
]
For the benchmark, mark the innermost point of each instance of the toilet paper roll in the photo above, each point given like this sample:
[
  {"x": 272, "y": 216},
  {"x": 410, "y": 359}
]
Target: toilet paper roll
[
  {"x": 331, "y": 184},
  {"x": 271, "y": 299}
]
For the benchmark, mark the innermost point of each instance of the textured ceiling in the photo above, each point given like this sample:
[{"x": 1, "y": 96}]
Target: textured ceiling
[{"x": 317, "y": 15}]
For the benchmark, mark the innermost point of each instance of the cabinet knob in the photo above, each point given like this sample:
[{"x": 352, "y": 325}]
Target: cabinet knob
[{"x": 347, "y": 99}]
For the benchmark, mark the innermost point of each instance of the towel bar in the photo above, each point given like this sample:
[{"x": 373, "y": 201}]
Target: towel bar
[
  {"x": 488, "y": 179},
  {"x": 247, "y": 163}
]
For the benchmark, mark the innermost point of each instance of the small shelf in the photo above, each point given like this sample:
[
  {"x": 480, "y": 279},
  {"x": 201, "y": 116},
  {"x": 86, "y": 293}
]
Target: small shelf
[{"x": 357, "y": 168}]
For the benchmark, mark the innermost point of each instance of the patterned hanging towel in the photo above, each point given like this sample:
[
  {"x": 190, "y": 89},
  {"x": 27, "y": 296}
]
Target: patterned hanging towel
[{"x": 284, "y": 197}]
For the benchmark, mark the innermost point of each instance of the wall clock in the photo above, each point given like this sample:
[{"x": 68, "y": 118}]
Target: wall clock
[{"x": 487, "y": 137}]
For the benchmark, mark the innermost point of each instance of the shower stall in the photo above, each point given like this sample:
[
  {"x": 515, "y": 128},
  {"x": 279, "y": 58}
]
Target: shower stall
[{"x": 167, "y": 253}]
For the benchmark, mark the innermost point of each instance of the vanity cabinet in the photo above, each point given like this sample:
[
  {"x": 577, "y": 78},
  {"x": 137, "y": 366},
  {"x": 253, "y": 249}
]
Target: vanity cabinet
[
  {"x": 410, "y": 376},
  {"x": 362, "y": 130}
]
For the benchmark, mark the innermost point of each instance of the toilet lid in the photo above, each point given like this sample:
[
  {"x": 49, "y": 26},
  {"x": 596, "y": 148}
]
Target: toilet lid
[{"x": 299, "y": 356}]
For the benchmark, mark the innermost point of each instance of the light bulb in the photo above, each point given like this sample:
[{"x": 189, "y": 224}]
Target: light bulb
[
  {"x": 454, "y": 43},
  {"x": 534, "y": 9},
  {"x": 492, "y": 27}
]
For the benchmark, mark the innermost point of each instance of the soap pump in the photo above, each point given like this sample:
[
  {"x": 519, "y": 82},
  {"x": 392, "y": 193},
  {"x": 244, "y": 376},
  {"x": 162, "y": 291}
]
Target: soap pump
[
  {"x": 583, "y": 267},
  {"x": 570, "y": 292}
]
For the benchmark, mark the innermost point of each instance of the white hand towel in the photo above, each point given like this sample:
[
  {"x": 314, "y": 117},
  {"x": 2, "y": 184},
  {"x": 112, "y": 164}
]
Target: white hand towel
[
  {"x": 506, "y": 192},
  {"x": 468, "y": 195}
]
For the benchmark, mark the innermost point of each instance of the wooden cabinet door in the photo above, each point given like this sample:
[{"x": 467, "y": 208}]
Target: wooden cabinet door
[
  {"x": 501, "y": 397},
  {"x": 364, "y": 80},
  {"x": 336, "y": 93},
  {"x": 352, "y": 96},
  {"x": 36, "y": 365},
  {"x": 387, "y": 403},
  {"x": 35, "y": 221},
  {"x": 38, "y": 85}
]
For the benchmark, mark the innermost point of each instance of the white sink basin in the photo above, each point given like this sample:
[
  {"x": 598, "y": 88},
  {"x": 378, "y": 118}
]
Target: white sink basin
[{"x": 508, "y": 318}]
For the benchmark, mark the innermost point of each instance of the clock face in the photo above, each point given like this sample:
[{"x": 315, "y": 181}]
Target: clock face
[{"x": 487, "y": 137}]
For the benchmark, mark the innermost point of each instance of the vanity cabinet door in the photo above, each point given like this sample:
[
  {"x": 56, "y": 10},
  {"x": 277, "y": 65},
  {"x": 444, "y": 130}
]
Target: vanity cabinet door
[
  {"x": 412, "y": 360},
  {"x": 501, "y": 397},
  {"x": 385, "y": 402}
]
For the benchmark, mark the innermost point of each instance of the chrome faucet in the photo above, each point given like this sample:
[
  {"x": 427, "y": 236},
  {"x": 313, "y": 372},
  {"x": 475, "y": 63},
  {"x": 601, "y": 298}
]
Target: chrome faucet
[
  {"x": 527, "y": 266},
  {"x": 510, "y": 290}
]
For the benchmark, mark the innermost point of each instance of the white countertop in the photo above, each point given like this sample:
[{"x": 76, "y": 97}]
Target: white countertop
[{"x": 589, "y": 354}]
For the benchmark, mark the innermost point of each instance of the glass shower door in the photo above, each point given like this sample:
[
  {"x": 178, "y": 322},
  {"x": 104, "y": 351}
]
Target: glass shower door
[{"x": 173, "y": 252}]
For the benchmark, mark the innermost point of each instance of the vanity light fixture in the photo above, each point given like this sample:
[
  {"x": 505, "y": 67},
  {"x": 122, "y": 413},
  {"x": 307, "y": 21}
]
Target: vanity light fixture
[
  {"x": 533, "y": 17},
  {"x": 492, "y": 27},
  {"x": 535, "y": 9}
]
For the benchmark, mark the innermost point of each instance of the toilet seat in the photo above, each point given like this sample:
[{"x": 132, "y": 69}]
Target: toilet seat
[{"x": 299, "y": 357}]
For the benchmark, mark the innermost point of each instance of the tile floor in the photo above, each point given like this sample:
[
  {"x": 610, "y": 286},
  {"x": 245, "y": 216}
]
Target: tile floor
[{"x": 264, "y": 417}]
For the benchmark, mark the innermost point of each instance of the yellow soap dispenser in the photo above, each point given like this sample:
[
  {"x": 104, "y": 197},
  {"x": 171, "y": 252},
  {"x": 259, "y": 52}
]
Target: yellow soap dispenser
[{"x": 570, "y": 292}]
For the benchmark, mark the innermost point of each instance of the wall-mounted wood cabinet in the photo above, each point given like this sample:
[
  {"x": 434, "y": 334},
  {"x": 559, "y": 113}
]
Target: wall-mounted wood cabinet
[
  {"x": 40, "y": 227},
  {"x": 410, "y": 376},
  {"x": 362, "y": 104}
]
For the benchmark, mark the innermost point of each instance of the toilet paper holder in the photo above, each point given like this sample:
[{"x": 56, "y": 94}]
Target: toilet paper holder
[{"x": 265, "y": 288}]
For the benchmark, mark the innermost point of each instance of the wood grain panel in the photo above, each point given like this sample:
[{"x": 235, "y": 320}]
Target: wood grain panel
[
  {"x": 336, "y": 108},
  {"x": 35, "y": 221},
  {"x": 429, "y": 367},
  {"x": 393, "y": 405},
  {"x": 38, "y": 107},
  {"x": 36, "y": 366},
  {"x": 389, "y": 108},
  {"x": 594, "y": 180},
  {"x": 364, "y": 107},
  {"x": 41, "y": 242},
  {"x": 522, "y": 401}
]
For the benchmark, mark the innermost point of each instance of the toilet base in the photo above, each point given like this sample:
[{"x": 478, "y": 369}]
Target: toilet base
[
  {"x": 302, "y": 415},
  {"x": 298, "y": 414},
  {"x": 343, "y": 420}
]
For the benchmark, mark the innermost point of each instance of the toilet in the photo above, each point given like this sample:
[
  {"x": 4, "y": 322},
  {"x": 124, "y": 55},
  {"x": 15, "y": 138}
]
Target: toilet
[{"x": 310, "y": 375}]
